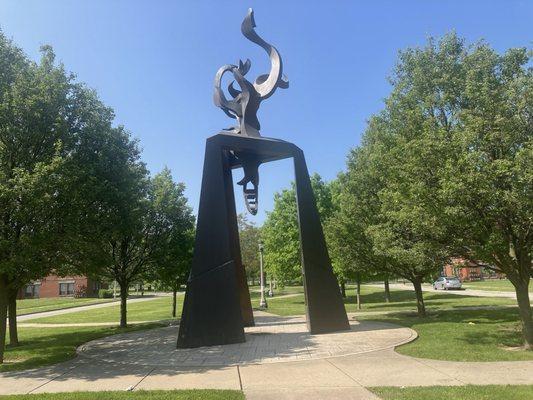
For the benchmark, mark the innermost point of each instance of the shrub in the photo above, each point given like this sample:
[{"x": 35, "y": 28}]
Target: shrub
[{"x": 105, "y": 294}]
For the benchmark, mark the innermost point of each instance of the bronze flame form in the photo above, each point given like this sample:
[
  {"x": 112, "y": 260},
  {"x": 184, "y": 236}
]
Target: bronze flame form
[{"x": 245, "y": 103}]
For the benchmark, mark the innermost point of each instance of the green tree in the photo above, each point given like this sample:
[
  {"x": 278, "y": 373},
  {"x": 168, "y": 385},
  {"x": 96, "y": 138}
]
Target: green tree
[
  {"x": 489, "y": 182},
  {"x": 411, "y": 145},
  {"x": 37, "y": 136},
  {"x": 172, "y": 256},
  {"x": 249, "y": 237},
  {"x": 279, "y": 234},
  {"x": 118, "y": 231},
  {"x": 280, "y": 231},
  {"x": 357, "y": 209},
  {"x": 454, "y": 144}
]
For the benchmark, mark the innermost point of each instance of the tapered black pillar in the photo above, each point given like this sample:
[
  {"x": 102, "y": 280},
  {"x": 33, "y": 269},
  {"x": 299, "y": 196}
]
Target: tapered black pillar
[
  {"x": 324, "y": 306},
  {"x": 233, "y": 230},
  {"x": 217, "y": 303},
  {"x": 211, "y": 310}
]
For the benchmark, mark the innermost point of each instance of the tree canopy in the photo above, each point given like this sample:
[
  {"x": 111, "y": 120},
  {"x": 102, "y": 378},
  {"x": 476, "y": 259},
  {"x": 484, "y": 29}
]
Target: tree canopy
[
  {"x": 249, "y": 237},
  {"x": 75, "y": 196},
  {"x": 171, "y": 260},
  {"x": 445, "y": 169},
  {"x": 280, "y": 233}
]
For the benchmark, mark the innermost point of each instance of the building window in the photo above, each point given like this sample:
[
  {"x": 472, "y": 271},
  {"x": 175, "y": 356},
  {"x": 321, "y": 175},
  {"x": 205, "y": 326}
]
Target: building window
[
  {"x": 66, "y": 288},
  {"x": 28, "y": 292}
]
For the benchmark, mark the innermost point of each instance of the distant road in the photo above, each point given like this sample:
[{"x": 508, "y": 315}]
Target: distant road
[{"x": 466, "y": 292}]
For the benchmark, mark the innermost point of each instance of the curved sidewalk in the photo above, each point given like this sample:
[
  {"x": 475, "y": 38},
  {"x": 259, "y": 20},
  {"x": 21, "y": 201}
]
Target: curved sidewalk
[
  {"x": 464, "y": 292},
  {"x": 363, "y": 357},
  {"x": 70, "y": 310}
]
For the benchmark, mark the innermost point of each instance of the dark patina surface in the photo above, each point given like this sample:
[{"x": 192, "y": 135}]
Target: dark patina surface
[{"x": 217, "y": 303}]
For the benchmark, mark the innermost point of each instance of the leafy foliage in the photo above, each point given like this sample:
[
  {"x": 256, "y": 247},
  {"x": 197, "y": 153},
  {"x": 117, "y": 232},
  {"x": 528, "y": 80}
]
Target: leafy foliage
[
  {"x": 445, "y": 169},
  {"x": 249, "y": 236},
  {"x": 280, "y": 231},
  {"x": 171, "y": 260},
  {"x": 45, "y": 119}
]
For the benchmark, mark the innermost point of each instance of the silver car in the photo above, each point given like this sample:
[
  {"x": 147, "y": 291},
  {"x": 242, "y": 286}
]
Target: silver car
[{"x": 447, "y": 282}]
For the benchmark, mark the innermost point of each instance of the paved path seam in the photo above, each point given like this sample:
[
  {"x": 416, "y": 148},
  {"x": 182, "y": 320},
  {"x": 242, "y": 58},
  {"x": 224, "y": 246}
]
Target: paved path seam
[
  {"x": 239, "y": 374},
  {"x": 142, "y": 379},
  {"x": 344, "y": 372},
  {"x": 66, "y": 371},
  {"x": 420, "y": 361}
]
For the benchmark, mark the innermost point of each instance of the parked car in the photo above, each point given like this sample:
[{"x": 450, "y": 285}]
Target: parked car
[{"x": 447, "y": 282}]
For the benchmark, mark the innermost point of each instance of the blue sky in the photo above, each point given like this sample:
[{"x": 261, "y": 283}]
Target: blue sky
[{"x": 154, "y": 63}]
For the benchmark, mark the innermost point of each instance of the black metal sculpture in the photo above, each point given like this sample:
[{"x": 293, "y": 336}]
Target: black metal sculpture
[
  {"x": 217, "y": 303},
  {"x": 245, "y": 103}
]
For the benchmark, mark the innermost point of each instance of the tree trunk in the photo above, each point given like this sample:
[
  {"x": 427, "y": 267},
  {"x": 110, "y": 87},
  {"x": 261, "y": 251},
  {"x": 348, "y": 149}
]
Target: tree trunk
[
  {"x": 358, "y": 291},
  {"x": 387, "y": 290},
  {"x": 343, "y": 288},
  {"x": 3, "y": 317},
  {"x": 174, "y": 293},
  {"x": 123, "y": 305},
  {"x": 417, "y": 283},
  {"x": 12, "y": 311},
  {"x": 524, "y": 308}
]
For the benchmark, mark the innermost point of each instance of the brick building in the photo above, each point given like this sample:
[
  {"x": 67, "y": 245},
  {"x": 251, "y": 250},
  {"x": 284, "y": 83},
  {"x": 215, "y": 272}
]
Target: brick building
[
  {"x": 467, "y": 270},
  {"x": 57, "y": 286}
]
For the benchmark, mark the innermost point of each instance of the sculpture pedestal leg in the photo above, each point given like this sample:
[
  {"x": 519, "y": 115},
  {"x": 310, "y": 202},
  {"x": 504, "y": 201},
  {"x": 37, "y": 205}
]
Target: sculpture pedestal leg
[
  {"x": 324, "y": 306},
  {"x": 217, "y": 303},
  {"x": 212, "y": 309}
]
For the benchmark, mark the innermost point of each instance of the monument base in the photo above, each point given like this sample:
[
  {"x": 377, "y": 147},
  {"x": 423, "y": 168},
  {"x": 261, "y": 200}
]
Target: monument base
[{"x": 217, "y": 302}]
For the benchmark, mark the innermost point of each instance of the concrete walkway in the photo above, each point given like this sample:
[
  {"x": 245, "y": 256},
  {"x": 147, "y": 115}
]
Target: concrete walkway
[
  {"x": 52, "y": 313},
  {"x": 278, "y": 361},
  {"x": 272, "y": 340},
  {"x": 466, "y": 292}
]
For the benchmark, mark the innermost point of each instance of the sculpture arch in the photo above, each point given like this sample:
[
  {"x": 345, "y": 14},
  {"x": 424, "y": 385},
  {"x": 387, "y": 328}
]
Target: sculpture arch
[{"x": 217, "y": 303}]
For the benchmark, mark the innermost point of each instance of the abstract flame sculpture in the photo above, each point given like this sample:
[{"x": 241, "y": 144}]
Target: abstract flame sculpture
[
  {"x": 217, "y": 303},
  {"x": 245, "y": 103}
]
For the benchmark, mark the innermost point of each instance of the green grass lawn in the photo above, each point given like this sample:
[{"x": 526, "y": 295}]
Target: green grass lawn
[
  {"x": 466, "y": 335},
  {"x": 500, "y": 285},
  {"x": 137, "y": 395},
  {"x": 255, "y": 292},
  {"x": 151, "y": 310},
  {"x": 28, "y": 306},
  {"x": 447, "y": 327},
  {"x": 470, "y": 392},
  {"x": 448, "y": 333},
  {"x": 372, "y": 299},
  {"x": 280, "y": 290},
  {"x": 39, "y": 347}
]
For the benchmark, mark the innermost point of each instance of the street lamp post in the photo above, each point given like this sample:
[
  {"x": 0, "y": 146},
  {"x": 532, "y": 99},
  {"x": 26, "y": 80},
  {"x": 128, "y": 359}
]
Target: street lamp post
[{"x": 263, "y": 302}]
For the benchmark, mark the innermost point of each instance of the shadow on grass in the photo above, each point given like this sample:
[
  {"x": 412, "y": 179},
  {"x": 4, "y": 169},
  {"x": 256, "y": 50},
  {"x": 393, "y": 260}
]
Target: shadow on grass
[
  {"x": 508, "y": 315},
  {"x": 463, "y": 335},
  {"x": 45, "y": 346}
]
